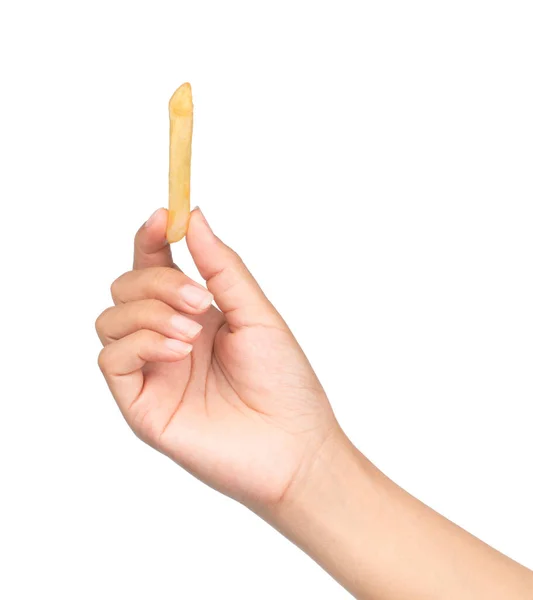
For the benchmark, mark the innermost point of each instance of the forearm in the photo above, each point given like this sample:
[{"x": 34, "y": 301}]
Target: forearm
[{"x": 380, "y": 543}]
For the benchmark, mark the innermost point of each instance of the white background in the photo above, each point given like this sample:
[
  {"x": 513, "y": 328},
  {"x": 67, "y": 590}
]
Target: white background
[{"x": 371, "y": 161}]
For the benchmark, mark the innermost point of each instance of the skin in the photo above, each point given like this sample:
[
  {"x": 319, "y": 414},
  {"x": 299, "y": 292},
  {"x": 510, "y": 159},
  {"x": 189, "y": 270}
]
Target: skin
[
  {"x": 229, "y": 395},
  {"x": 243, "y": 411}
]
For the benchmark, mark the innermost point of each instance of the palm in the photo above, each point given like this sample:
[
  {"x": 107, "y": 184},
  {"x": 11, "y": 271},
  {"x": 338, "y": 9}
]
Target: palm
[{"x": 230, "y": 407}]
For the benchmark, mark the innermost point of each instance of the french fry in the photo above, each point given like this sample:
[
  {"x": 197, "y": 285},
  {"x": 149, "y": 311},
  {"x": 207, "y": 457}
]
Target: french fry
[{"x": 180, "y": 109}]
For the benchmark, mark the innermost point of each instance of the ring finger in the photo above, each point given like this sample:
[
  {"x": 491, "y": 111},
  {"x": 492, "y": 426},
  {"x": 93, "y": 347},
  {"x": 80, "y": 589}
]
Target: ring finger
[
  {"x": 122, "y": 320},
  {"x": 162, "y": 283}
]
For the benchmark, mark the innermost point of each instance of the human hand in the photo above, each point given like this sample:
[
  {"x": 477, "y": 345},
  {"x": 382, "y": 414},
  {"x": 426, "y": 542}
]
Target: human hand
[
  {"x": 239, "y": 406},
  {"x": 228, "y": 394}
]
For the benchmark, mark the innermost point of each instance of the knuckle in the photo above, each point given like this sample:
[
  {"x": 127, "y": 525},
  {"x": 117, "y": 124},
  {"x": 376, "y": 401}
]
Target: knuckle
[
  {"x": 103, "y": 359},
  {"x": 115, "y": 288},
  {"x": 102, "y": 319}
]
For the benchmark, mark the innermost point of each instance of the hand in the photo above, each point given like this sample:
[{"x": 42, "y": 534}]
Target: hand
[
  {"x": 228, "y": 394},
  {"x": 238, "y": 405}
]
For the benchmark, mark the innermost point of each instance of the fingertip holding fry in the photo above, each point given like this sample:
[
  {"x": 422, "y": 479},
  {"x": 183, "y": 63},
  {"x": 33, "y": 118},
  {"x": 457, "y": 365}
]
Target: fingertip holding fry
[{"x": 180, "y": 110}]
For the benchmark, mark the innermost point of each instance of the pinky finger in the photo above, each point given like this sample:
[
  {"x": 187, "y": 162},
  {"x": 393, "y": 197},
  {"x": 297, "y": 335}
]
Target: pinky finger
[{"x": 121, "y": 362}]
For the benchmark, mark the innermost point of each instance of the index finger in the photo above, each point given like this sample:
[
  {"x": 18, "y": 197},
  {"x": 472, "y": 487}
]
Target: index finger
[{"x": 151, "y": 248}]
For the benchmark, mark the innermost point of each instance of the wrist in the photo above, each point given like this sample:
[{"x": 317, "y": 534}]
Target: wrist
[
  {"x": 329, "y": 509},
  {"x": 324, "y": 489}
]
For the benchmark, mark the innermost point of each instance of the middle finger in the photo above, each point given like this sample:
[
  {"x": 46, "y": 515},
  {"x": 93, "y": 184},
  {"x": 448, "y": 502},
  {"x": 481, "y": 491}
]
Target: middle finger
[{"x": 162, "y": 283}]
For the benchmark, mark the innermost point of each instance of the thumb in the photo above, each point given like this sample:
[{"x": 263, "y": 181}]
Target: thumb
[
  {"x": 151, "y": 248},
  {"x": 236, "y": 292}
]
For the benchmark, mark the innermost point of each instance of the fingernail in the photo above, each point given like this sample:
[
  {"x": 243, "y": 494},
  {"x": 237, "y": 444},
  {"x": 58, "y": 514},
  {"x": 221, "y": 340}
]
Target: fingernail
[
  {"x": 196, "y": 297},
  {"x": 185, "y": 326},
  {"x": 178, "y": 346},
  {"x": 152, "y": 218}
]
